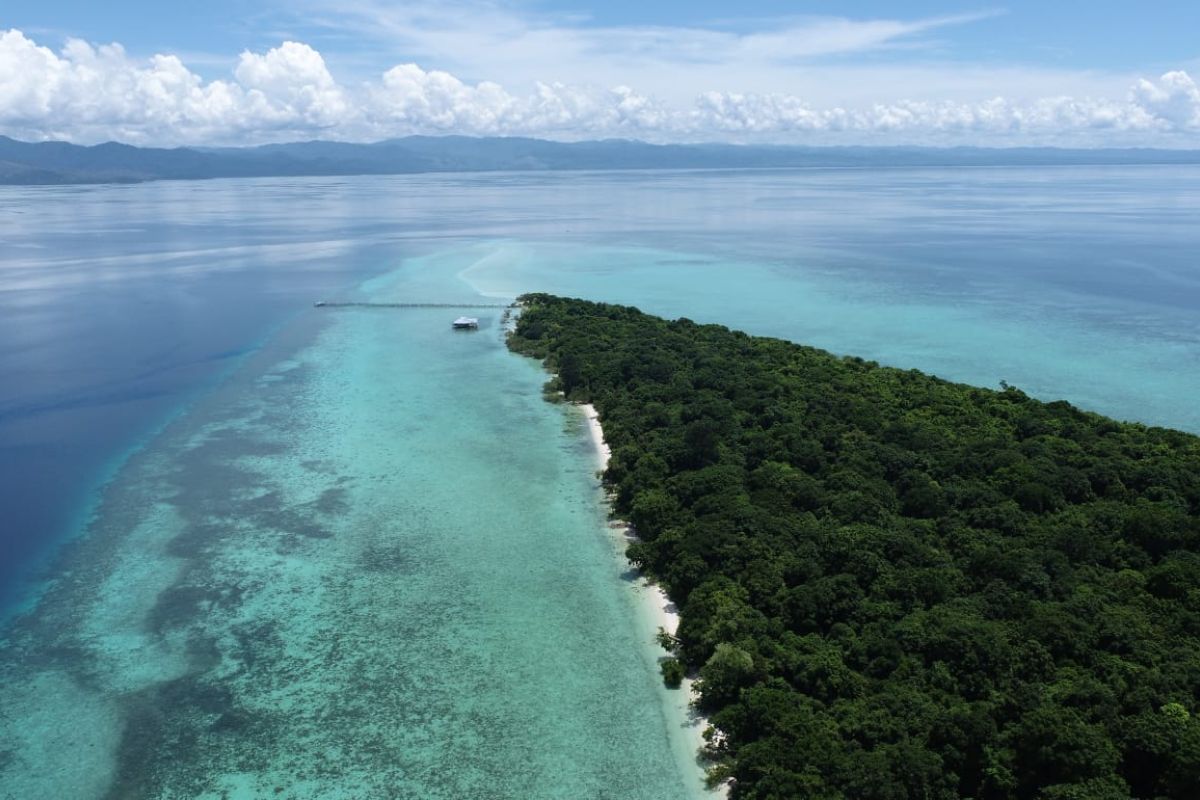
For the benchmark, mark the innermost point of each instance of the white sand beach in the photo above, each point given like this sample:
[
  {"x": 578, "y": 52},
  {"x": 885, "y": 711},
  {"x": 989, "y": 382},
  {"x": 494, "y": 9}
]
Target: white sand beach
[{"x": 664, "y": 612}]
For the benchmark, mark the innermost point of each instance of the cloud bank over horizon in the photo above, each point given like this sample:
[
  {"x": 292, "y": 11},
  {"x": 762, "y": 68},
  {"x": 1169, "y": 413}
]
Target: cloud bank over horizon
[{"x": 87, "y": 93}]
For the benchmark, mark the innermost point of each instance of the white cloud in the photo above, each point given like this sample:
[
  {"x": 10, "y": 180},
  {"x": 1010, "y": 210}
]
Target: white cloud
[
  {"x": 21, "y": 60},
  {"x": 994, "y": 118},
  {"x": 291, "y": 83},
  {"x": 410, "y": 98},
  {"x": 1174, "y": 99},
  {"x": 89, "y": 93}
]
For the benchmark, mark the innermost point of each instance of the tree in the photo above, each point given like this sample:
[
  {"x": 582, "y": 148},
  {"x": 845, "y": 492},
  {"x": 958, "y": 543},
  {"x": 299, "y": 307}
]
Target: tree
[
  {"x": 673, "y": 672},
  {"x": 725, "y": 674},
  {"x": 894, "y": 585}
]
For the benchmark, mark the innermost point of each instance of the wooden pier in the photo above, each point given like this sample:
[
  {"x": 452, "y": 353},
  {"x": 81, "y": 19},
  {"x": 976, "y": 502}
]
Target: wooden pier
[{"x": 323, "y": 304}]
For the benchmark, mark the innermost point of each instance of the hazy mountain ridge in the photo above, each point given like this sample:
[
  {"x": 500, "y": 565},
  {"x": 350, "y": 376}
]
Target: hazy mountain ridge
[{"x": 43, "y": 163}]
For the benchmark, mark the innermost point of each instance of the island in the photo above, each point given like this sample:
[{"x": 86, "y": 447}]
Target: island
[{"x": 891, "y": 585}]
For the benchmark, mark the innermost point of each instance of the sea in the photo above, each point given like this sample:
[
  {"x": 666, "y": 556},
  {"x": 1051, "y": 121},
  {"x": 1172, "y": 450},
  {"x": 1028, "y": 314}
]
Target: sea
[{"x": 253, "y": 547}]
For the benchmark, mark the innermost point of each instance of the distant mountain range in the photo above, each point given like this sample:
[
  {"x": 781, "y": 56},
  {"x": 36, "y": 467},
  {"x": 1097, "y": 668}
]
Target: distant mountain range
[{"x": 60, "y": 162}]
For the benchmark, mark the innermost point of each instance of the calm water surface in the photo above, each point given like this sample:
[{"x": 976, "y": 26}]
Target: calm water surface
[{"x": 345, "y": 549}]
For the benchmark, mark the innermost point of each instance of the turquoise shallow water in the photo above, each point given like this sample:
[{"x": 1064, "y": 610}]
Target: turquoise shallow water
[
  {"x": 362, "y": 557},
  {"x": 1131, "y": 360},
  {"x": 371, "y": 565}
]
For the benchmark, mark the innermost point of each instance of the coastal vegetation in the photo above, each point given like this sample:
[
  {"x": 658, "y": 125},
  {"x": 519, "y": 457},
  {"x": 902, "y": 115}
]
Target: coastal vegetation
[{"x": 893, "y": 586}]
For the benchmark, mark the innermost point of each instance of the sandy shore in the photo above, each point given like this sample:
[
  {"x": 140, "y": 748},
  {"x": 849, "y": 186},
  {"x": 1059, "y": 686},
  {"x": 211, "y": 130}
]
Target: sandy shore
[{"x": 665, "y": 613}]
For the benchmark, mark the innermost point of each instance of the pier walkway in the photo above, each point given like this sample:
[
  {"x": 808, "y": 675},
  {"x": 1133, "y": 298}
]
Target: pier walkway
[{"x": 323, "y": 304}]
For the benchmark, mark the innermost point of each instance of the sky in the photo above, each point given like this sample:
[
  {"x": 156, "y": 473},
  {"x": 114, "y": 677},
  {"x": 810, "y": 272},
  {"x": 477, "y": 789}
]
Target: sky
[{"x": 1020, "y": 73}]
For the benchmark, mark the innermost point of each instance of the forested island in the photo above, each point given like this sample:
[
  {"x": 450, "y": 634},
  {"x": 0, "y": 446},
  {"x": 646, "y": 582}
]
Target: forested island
[{"x": 894, "y": 586}]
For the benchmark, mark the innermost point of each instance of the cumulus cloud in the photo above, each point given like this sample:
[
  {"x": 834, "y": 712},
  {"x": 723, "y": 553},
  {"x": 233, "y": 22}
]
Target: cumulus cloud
[
  {"x": 994, "y": 117},
  {"x": 1174, "y": 99},
  {"x": 88, "y": 93},
  {"x": 291, "y": 83},
  {"x": 408, "y": 97}
]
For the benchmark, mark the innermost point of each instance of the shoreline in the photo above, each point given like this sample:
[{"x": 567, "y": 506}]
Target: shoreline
[
  {"x": 662, "y": 610},
  {"x": 665, "y": 611}
]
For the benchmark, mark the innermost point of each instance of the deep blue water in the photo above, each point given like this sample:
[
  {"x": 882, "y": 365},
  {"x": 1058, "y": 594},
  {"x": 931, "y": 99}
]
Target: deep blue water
[{"x": 121, "y": 304}]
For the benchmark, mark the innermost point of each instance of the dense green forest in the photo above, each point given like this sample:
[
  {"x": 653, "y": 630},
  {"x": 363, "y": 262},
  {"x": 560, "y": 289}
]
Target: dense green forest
[{"x": 893, "y": 586}]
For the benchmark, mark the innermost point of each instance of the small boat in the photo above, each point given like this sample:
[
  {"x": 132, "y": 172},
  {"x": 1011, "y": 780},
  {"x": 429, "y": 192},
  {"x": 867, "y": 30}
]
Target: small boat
[{"x": 466, "y": 323}]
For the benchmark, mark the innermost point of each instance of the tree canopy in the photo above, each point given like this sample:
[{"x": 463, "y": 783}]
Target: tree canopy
[{"x": 894, "y": 586}]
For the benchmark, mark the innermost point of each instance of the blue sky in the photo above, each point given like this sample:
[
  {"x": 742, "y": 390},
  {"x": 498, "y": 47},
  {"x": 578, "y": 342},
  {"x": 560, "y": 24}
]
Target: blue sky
[
  {"x": 1097, "y": 35},
  {"x": 1088, "y": 74}
]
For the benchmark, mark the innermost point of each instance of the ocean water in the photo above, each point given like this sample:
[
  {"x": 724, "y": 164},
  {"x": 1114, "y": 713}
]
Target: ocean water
[
  {"x": 252, "y": 548},
  {"x": 373, "y": 564}
]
